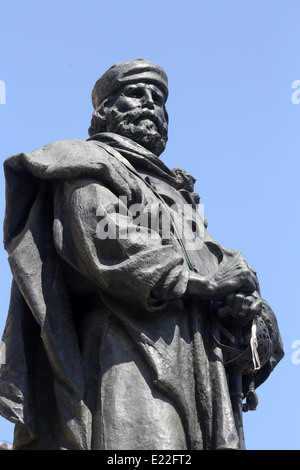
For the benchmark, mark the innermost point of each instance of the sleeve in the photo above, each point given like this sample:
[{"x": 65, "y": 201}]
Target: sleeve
[{"x": 97, "y": 235}]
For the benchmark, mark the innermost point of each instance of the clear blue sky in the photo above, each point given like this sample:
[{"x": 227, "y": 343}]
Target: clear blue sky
[{"x": 233, "y": 125}]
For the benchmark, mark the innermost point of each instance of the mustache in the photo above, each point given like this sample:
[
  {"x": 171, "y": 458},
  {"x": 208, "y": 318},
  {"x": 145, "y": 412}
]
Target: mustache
[{"x": 135, "y": 115}]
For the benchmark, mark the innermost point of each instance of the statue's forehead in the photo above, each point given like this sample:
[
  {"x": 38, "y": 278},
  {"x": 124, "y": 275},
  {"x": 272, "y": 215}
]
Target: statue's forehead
[{"x": 144, "y": 85}]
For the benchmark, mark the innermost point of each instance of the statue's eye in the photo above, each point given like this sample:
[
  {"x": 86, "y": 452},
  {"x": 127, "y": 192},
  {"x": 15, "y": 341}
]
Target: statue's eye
[
  {"x": 134, "y": 93},
  {"x": 158, "y": 99}
]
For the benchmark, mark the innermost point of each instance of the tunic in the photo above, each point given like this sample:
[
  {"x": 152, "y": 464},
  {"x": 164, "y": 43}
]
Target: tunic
[{"x": 104, "y": 348}]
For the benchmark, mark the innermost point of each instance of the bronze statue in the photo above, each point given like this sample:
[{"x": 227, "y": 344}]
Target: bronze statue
[{"x": 129, "y": 326}]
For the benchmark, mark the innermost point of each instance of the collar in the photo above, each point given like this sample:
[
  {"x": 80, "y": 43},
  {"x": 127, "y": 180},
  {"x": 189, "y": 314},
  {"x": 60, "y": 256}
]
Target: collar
[{"x": 144, "y": 160}]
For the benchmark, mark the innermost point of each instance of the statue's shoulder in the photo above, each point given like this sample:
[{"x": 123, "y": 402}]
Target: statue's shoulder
[
  {"x": 68, "y": 145},
  {"x": 73, "y": 148},
  {"x": 65, "y": 146},
  {"x": 59, "y": 155}
]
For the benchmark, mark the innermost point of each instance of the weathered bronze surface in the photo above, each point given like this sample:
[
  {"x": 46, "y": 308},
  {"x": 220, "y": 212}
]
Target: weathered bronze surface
[{"x": 129, "y": 326}]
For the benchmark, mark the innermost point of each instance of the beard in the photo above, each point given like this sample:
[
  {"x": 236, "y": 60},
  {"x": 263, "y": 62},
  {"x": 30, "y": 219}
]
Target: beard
[{"x": 142, "y": 126}]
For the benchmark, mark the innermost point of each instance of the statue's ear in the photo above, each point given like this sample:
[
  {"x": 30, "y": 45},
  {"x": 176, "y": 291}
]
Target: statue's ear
[
  {"x": 98, "y": 122},
  {"x": 102, "y": 109}
]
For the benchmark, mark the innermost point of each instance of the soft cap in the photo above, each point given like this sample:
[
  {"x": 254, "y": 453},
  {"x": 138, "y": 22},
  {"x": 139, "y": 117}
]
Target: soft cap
[{"x": 123, "y": 73}]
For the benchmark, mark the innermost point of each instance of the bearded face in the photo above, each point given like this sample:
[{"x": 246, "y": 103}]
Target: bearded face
[{"x": 138, "y": 112}]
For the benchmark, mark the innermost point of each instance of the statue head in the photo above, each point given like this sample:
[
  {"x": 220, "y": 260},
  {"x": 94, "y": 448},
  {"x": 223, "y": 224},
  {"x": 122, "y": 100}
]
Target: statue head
[{"x": 129, "y": 100}]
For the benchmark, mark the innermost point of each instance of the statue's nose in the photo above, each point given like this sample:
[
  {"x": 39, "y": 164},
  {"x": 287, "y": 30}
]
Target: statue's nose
[{"x": 147, "y": 99}]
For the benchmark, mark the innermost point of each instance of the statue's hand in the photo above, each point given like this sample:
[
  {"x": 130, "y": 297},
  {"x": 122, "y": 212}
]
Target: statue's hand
[
  {"x": 241, "y": 307},
  {"x": 235, "y": 275}
]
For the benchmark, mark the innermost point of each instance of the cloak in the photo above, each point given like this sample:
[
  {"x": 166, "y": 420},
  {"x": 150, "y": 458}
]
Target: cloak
[{"x": 104, "y": 349}]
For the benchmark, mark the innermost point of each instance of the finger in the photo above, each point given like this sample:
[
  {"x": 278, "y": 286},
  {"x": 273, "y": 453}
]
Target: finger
[
  {"x": 247, "y": 313},
  {"x": 257, "y": 288},
  {"x": 237, "y": 304},
  {"x": 224, "y": 312},
  {"x": 256, "y": 307},
  {"x": 248, "y": 301},
  {"x": 229, "y": 300},
  {"x": 253, "y": 270},
  {"x": 251, "y": 285}
]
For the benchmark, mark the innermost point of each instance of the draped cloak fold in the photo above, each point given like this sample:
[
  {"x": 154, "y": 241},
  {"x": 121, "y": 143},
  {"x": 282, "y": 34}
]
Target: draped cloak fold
[{"x": 104, "y": 349}]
